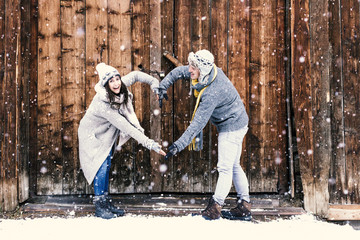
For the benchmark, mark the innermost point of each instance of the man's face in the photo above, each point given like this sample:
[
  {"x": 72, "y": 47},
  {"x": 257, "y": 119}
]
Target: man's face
[{"x": 195, "y": 72}]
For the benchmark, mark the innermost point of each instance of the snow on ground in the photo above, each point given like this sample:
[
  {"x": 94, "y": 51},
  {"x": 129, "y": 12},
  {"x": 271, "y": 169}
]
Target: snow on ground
[{"x": 303, "y": 227}]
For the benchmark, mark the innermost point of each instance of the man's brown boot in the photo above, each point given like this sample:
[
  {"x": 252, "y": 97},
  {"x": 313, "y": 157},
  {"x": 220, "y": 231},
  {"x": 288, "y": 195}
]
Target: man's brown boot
[
  {"x": 212, "y": 211},
  {"x": 241, "y": 212}
]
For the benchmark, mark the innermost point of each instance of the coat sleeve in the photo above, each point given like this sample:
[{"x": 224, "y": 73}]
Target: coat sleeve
[
  {"x": 201, "y": 118},
  {"x": 181, "y": 72},
  {"x": 137, "y": 76},
  {"x": 121, "y": 123}
]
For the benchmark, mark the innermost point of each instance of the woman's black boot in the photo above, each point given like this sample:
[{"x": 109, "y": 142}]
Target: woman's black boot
[{"x": 101, "y": 208}]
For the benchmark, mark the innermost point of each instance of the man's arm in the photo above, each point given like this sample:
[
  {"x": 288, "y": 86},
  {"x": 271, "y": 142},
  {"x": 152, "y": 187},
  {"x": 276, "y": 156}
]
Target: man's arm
[
  {"x": 180, "y": 72},
  {"x": 177, "y": 73},
  {"x": 203, "y": 113}
]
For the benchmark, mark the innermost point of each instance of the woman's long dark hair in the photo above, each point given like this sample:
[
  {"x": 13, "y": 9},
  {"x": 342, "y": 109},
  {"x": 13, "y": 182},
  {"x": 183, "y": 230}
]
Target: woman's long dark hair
[{"x": 112, "y": 95}]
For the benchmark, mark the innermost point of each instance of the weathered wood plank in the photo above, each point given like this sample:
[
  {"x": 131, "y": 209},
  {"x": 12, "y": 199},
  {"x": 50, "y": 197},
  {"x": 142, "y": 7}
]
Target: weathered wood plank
[
  {"x": 141, "y": 56},
  {"x": 23, "y": 139},
  {"x": 263, "y": 112},
  {"x": 152, "y": 205},
  {"x": 167, "y": 115},
  {"x": 238, "y": 58},
  {"x": 49, "y": 177},
  {"x": 337, "y": 168},
  {"x": 119, "y": 17},
  {"x": 33, "y": 65},
  {"x": 344, "y": 212},
  {"x": 155, "y": 116},
  {"x": 2, "y": 106},
  {"x": 219, "y": 33},
  {"x": 200, "y": 39},
  {"x": 351, "y": 57},
  {"x": 301, "y": 93},
  {"x": 10, "y": 28},
  {"x": 73, "y": 87},
  {"x": 281, "y": 157},
  {"x": 182, "y": 109},
  {"x": 96, "y": 43},
  {"x": 320, "y": 95}
]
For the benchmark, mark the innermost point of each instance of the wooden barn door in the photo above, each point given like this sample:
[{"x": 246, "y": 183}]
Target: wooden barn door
[{"x": 247, "y": 40}]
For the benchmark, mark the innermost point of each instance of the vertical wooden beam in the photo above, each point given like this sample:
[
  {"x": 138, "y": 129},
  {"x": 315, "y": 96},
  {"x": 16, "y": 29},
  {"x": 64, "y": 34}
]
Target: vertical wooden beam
[
  {"x": 155, "y": 116},
  {"x": 219, "y": 33},
  {"x": 263, "y": 112},
  {"x": 119, "y": 18},
  {"x": 96, "y": 43},
  {"x": 10, "y": 93},
  {"x": 23, "y": 136},
  {"x": 301, "y": 97},
  {"x": 182, "y": 112},
  {"x": 239, "y": 52},
  {"x": 49, "y": 178},
  {"x": 33, "y": 66},
  {"x": 167, "y": 114},
  {"x": 2, "y": 106},
  {"x": 281, "y": 152},
  {"x": 337, "y": 168},
  {"x": 141, "y": 56},
  {"x": 73, "y": 85},
  {"x": 320, "y": 96},
  {"x": 351, "y": 57}
]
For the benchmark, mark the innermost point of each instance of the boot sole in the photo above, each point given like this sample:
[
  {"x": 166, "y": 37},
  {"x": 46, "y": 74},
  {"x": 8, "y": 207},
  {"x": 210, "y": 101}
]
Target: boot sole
[
  {"x": 105, "y": 217},
  {"x": 228, "y": 215},
  {"x": 206, "y": 218}
]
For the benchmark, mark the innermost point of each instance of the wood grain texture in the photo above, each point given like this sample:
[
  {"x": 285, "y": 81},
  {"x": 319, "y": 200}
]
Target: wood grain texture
[
  {"x": 50, "y": 160},
  {"x": 351, "y": 58},
  {"x": 73, "y": 91}
]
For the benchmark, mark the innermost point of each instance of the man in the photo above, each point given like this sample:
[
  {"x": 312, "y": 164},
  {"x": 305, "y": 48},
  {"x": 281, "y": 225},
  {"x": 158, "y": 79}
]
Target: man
[{"x": 219, "y": 101}]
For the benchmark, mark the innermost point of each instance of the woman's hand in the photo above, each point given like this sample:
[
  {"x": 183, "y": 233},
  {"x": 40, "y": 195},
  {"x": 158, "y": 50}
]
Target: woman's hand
[{"x": 157, "y": 148}]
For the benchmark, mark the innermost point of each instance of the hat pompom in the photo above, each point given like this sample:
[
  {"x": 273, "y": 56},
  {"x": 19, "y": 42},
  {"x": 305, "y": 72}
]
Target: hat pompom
[{"x": 106, "y": 72}]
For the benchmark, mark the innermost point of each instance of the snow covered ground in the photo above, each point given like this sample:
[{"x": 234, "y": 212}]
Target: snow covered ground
[{"x": 303, "y": 227}]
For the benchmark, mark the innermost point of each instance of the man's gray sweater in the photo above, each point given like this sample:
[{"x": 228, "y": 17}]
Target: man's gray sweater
[{"x": 220, "y": 102}]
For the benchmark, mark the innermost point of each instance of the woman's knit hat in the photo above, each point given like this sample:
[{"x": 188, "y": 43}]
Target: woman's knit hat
[
  {"x": 204, "y": 61},
  {"x": 106, "y": 72}
]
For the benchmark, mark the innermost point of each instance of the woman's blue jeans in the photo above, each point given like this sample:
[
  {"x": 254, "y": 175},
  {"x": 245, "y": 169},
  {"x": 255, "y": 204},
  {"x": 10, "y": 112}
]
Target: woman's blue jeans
[{"x": 101, "y": 180}]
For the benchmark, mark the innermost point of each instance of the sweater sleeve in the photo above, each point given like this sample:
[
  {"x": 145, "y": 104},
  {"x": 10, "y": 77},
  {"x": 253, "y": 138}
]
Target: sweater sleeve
[
  {"x": 137, "y": 76},
  {"x": 201, "y": 118},
  {"x": 177, "y": 73}
]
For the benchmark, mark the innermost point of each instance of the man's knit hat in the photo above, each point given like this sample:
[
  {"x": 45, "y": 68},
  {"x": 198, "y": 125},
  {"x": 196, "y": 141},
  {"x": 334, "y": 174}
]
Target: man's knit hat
[
  {"x": 204, "y": 61},
  {"x": 106, "y": 72}
]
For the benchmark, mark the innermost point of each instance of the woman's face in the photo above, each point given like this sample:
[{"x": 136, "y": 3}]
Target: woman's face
[{"x": 115, "y": 84}]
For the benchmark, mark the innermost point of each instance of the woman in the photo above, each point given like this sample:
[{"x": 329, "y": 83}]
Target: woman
[{"x": 110, "y": 116}]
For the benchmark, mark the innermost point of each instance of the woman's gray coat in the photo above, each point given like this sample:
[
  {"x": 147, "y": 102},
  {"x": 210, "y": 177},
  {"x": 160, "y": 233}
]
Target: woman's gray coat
[{"x": 103, "y": 124}]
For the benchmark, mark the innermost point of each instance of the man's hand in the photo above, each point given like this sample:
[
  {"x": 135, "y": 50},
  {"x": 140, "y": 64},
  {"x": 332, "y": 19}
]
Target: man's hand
[
  {"x": 173, "y": 150},
  {"x": 161, "y": 92}
]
